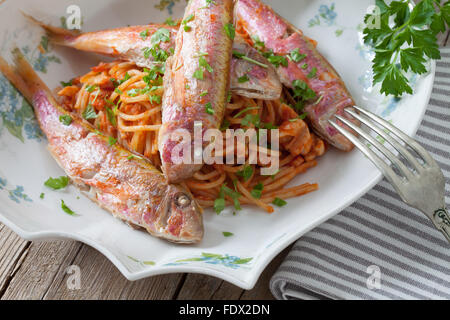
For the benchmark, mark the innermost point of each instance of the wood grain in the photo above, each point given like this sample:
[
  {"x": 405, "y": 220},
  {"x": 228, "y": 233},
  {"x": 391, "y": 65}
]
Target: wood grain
[
  {"x": 12, "y": 251},
  {"x": 100, "y": 279},
  {"x": 39, "y": 268}
]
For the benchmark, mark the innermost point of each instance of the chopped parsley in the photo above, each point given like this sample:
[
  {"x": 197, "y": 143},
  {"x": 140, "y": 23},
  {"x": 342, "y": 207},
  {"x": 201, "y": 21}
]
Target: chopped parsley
[
  {"x": 198, "y": 74},
  {"x": 125, "y": 78},
  {"x": 302, "y": 92},
  {"x": 279, "y": 202},
  {"x": 245, "y": 173},
  {"x": 204, "y": 93},
  {"x": 296, "y": 56},
  {"x": 203, "y": 63},
  {"x": 243, "y": 79},
  {"x": 89, "y": 112},
  {"x": 57, "y": 183},
  {"x": 66, "y": 209},
  {"x": 91, "y": 88},
  {"x": 245, "y": 111},
  {"x": 242, "y": 56},
  {"x": 112, "y": 141},
  {"x": 169, "y": 21},
  {"x": 154, "y": 99},
  {"x": 227, "y": 234},
  {"x": 258, "y": 43},
  {"x": 257, "y": 191},
  {"x": 42, "y": 195},
  {"x": 66, "y": 84},
  {"x": 312, "y": 73},
  {"x": 65, "y": 119},
  {"x": 251, "y": 119},
  {"x": 144, "y": 34},
  {"x": 229, "y": 30},
  {"x": 229, "y": 97},
  {"x": 133, "y": 92},
  {"x": 219, "y": 203},
  {"x": 209, "y": 109},
  {"x": 185, "y": 22},
  {"x": 111, "y": 116},
  {"x": 161, "y": 35}
]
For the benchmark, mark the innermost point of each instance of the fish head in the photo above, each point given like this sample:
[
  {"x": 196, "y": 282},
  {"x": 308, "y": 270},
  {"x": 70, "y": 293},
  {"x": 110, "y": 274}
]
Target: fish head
[
  {"x": 263, "y": 80},
  {"x": 184, "y": 219}
]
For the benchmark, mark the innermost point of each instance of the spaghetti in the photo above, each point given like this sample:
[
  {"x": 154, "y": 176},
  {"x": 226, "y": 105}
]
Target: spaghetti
[{"x": 123, "y": 101}]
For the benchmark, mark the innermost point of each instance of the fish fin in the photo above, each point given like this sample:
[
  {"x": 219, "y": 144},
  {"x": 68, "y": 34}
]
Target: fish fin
[
  {"x": 56, "y": 35},
  {"x": 22, "y": 75}
]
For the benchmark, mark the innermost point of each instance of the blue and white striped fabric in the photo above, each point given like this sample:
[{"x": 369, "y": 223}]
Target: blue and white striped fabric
[{"x": 379, "y": 237}]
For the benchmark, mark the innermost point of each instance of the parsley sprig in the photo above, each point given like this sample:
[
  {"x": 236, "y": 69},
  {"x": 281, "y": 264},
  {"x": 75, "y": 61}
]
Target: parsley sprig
[{"x": 404, "y": 40}]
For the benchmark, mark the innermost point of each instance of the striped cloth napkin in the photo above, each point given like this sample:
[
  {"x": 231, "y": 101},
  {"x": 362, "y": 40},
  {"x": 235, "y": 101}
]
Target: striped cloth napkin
[{"x": 379, "y": 248}]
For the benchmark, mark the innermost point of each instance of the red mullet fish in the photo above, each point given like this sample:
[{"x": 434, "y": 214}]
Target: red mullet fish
[
  {"x": 128, "y": 187},
  {"x": 131, "y": 43},
  {"x": 195, "y": 81},
  {"x": 274, "y": 33}
]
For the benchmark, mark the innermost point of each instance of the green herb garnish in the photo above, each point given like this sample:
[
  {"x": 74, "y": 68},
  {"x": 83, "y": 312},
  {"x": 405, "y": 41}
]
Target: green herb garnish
[
  {"x": 246, "y": 172},
  {"x": 227, "y": 234},
  {"x": 242, "y": 56},
  {"x": 91, "y": 88},
  {"x": 296, "y": 56},
  {"x": 57, "y": 183},
  {"x": 65, "y": 119},
  {"x": 243, "y": 79},
  {"x": 89, "y": 112},
  {"x": 112, "y": 141},
  {"x": 312, "y": 73},
  {"x": 203, "y": 63},
  {"x": 245, "y": 110},
  {"x": 66, "y": 209},
  {"x": 209, "y": 109},
  {"x": 279, "y": 202},
  {"x": 229, "y": 30},
  {"x": 161, "y": 35},
  {"x": 66, "y": 84},
  {"x": 144, "y": 34},
  {"x": 257, "y": 191},
  {"x": 198, "y": 74},
  {"x": 404, "y": 39},
  {"x": 169, "y": 21},
  {"x": 219, "y": 205}
]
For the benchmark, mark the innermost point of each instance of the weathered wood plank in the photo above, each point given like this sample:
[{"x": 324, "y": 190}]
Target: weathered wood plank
[
  {"x": 39, "y": 268},
  {"x": 12, "y": 251},
  {"x": 100, "y": 279}
]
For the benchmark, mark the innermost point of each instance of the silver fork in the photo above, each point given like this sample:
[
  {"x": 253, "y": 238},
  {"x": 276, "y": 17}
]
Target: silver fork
[{"x": 423, "y": 187}]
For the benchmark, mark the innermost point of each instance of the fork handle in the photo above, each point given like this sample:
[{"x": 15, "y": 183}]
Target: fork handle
[{"x": 441, "y": 219}]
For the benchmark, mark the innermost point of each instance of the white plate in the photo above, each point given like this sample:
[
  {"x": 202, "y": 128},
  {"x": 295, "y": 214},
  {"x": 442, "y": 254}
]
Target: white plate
[{"x": 25, "y": 163}]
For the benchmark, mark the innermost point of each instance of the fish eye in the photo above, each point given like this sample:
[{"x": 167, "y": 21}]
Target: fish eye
[{"x": 182, "y": 200}]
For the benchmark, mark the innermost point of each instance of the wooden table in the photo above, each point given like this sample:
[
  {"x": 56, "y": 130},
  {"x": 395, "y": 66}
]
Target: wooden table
[{"x": 37, "y": 270}]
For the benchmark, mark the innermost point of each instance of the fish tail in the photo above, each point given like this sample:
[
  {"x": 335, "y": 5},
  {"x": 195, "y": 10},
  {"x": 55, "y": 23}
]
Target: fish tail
[
  {"x": 56, "y": 35},
  {"x": 22, "y": 75}
]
